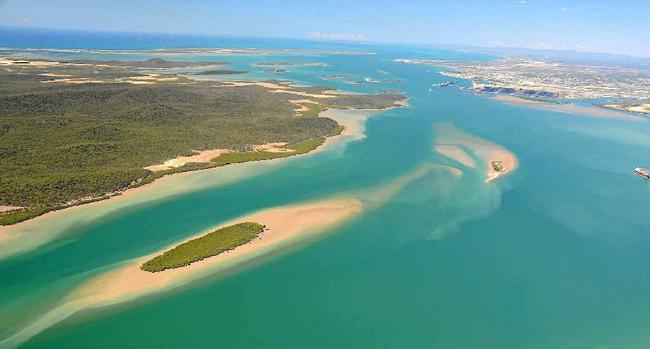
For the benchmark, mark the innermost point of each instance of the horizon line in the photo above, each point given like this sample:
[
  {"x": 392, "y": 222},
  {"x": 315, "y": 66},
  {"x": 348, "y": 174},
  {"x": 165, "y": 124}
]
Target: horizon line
[{"x": 366, "y": 41}]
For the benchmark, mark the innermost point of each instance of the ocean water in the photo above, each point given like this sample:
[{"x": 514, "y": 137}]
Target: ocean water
[{"x": 555, "y": 255}]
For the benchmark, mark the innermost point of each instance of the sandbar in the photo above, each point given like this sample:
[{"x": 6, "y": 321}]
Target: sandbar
[
  {"x": 284, "y": 226},
  {"x": 460, "y": 146},
  {"x": 569, "y": 108}
]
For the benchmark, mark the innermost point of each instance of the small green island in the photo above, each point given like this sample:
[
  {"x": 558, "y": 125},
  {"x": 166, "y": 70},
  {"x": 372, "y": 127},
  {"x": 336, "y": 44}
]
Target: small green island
[{"x": 206, "y": 246}]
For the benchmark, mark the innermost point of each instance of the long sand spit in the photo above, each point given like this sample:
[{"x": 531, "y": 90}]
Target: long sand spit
[
  {"x": 569, "y": 108},
  {"x": 284, "y": 226},
  {"x": 466, "y": 149},
  {"x": 26, "y": 236}
]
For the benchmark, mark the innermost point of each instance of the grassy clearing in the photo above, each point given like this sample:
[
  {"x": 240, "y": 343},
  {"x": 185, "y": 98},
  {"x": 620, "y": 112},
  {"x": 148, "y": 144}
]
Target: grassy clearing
[{"x": 206, "y": 246}]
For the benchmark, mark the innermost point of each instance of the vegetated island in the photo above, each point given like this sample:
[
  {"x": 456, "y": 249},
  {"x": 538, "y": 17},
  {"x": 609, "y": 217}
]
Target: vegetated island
[
  {"x": 284, "y": 226},
  {"x": 209, "y": 245},
  {"x": 74, "y": 133}
]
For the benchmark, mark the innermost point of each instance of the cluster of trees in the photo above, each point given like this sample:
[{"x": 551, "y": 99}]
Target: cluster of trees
[{"x": 206, "y": 246}]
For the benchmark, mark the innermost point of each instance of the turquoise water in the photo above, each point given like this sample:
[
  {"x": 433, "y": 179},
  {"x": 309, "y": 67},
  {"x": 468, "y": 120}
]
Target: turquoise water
[{"x": 552, "y": 256}]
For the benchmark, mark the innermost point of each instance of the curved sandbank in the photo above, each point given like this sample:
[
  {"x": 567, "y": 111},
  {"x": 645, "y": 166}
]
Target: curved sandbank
[
  {"x": 30, "y": 234},
  {"x": 284, "y": 226},
  {"x": 569, "y": 108},
  {"x": 464, "y": 149}
]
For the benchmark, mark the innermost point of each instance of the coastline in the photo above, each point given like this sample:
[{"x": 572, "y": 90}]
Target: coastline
[
  {"x": 32, "y": 233},
  {"x": 285, "y": 225},
  {"x": 568, "y": 108}
]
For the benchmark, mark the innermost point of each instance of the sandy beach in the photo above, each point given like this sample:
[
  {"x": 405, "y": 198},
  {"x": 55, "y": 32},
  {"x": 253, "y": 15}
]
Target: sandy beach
[
  {"x": 284, "y": 226},
  {"x": 28, "y": 235},
  {"x": 459, "y": 146}
]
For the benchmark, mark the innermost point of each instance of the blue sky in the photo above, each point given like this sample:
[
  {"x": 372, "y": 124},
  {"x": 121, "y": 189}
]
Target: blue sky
[{"x": 601, "y": 26}]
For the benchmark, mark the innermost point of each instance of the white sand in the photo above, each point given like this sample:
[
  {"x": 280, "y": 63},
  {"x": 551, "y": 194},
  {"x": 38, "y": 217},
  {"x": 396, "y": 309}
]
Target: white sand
[{"x": 277, "y": 147}]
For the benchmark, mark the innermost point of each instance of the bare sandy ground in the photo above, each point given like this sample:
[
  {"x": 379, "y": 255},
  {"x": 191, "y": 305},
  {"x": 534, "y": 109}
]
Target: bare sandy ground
[
  {"x": 284, "y": 226},
  {"x": 301, "y": 108},
  {"x": 148, "y": 79},
  {"x": 201, "y": 156},
  {"x": 460, "y": 146},
  {"x": 278, "y": 88},
  {"x": 277, "y": 147},
  {"x": 21, "y": 62},
  {"x": 636, "y": 108},
  {"x": 568, "y": 108},
  {"x": 9, "y": 208},
  {"x": 74, "y": 81}
]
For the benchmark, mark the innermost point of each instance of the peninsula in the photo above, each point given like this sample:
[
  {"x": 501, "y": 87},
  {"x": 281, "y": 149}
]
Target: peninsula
[{"x": 76, "y": 131}]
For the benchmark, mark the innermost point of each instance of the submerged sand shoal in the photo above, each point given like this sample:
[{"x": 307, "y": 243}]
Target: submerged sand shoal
[
  {"x": 459, "y": 146},
  {"x": 284, "y": 225}
]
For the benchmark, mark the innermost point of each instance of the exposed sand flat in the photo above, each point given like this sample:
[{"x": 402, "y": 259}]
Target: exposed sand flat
[
  {"x": 635, "y": 108},
  {"x": 55, "y": 75},
  {"x": 304, "y": 94},
  {"x": 278, "y": 88},
  {"x": 74, "y": 81},
  {"x": 567, "y": 108},
  {"x": 278, "y": 147},
  {"x": 301, "y": 107},
  {"x": 285, "y": 225},
  {"x": 9, "y": 208},
  {"x": 200, "y": 156},
  {"x": 498, "y": 160},
  {"x": 642, "y": 108},
  {"x": 24, "y": 62},
  {"x": 148, "y": 79}
]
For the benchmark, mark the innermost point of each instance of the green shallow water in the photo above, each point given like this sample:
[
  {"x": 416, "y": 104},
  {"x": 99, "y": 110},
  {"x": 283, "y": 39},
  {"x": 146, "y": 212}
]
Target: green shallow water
[{"x": 552, "y": 256}]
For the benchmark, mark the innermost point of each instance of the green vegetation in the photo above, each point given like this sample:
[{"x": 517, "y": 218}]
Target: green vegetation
[
  {"x": 297, "y": 148},
  {"x": 497, "y": 166},
  {"x": 314, "y": 109},
  {"x": 66, "y": 144},
  {"x": 206, "y": 246},
  {"x": 21, "y": 215}
]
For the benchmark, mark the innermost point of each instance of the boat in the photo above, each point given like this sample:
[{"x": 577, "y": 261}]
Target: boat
[{"x": 643, "y": 172}]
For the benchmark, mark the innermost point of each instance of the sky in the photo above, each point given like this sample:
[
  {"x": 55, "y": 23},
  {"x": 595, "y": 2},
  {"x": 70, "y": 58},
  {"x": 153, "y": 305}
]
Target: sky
[{"x": 621, "y": 27}]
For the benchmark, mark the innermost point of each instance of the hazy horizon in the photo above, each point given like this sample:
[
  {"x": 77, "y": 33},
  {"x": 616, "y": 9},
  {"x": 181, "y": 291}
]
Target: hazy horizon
[{"x": 582, "y": 26}]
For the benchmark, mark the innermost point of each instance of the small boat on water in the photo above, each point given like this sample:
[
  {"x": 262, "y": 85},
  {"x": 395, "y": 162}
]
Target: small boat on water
[{"x": 643, "y": 172}]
